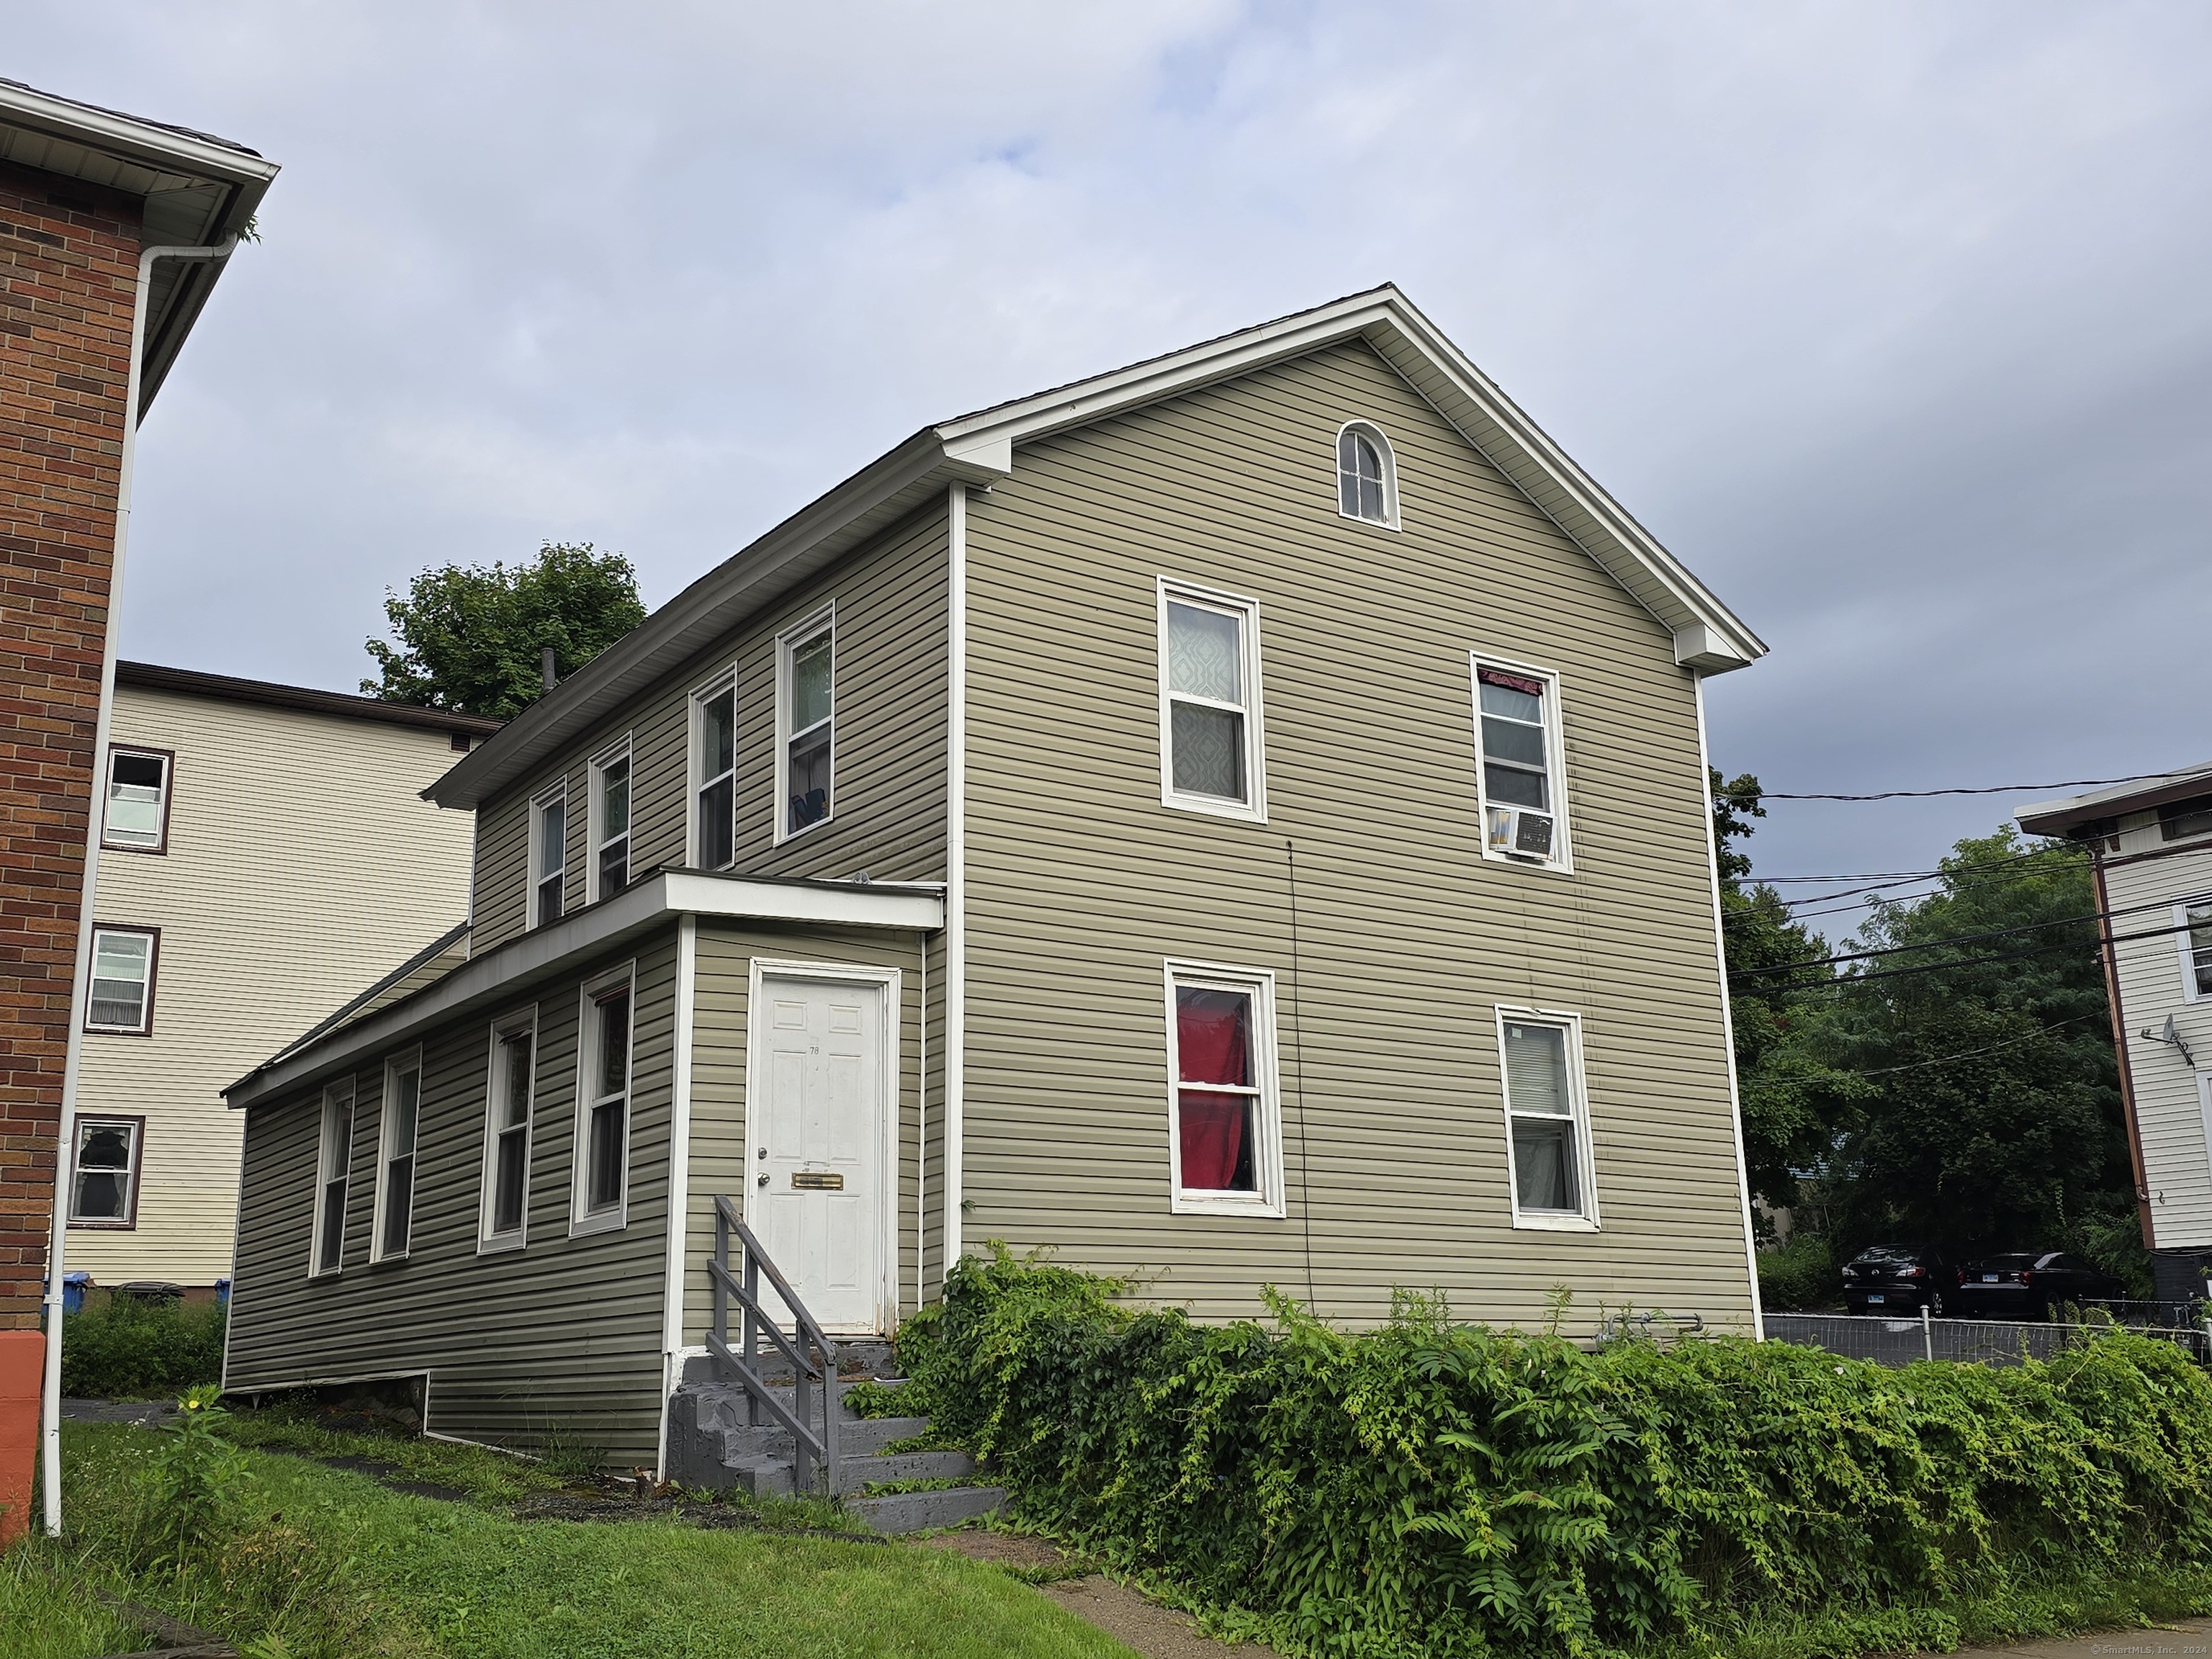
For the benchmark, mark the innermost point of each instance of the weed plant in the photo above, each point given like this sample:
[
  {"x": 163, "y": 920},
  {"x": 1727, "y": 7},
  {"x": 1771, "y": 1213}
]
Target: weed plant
[
  {"x": 1433, "y": 1488},
  {"x": 124, "y": 1349},
  {"x": 1801, "y": 1273}
]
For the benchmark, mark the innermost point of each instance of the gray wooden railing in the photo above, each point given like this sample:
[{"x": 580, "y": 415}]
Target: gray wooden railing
[{"x": 813, "y": 1356}]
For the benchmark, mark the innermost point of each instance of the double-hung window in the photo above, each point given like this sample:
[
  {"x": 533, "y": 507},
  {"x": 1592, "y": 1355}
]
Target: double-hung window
[
  {"x": 2193, "y": 920},
  {"x": 1523, "y": 800},
  {"x": 137, "y": 810},
  {"x": 122, "y": 962},
  {"x": 1211, "y": 751},
  {"x": 549, "y": 856},
  {"x": 104, "y": 1180},
  {"x": 506, "y": 1207},
  {"x": 602, "y": 1104},
  {"x": 609, "y": 822},
  {"x": 334, "y": 1156},
  {"x": 1547, "y": 1120},
  {"x": 395, "y": 1157},
  {"x": 1224, "y": 1114},
  {"x": 714, "y": 775},
  {"x": 807, "y": 724}
]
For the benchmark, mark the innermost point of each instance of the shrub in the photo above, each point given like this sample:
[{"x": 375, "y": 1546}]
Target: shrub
[
  {"x": 1436, "y": 1488},
  {"x": 122, "y": 1348},
  {"x": 190, "y": 1487},
  {"x": 1801, "y": 1273}
]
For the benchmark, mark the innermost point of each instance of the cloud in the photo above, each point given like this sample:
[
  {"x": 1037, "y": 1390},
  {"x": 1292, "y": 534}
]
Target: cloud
[{"x": 1888, "y": 319}]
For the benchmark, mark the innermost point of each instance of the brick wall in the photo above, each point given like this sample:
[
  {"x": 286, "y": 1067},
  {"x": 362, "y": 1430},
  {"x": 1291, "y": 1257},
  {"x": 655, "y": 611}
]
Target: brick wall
[{"x": 69, "y": 264}]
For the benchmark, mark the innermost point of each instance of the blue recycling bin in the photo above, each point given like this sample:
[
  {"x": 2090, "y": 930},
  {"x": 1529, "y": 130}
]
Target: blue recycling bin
[
  {"x": 222, "y": 1291},
  {"x": 74, "y": 1285}
]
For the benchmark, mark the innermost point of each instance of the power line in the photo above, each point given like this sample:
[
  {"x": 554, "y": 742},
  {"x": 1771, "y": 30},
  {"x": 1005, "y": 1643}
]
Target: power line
[
  {"x": 1955, "y": 887},
  {"x": 1969, "y": 1054},
  {"x": 1984, "y": 789},
  {"x": 1922, "y": 875},
  {"x": 1837, "y": 981},
  {"x": 1969, "y": 939}
]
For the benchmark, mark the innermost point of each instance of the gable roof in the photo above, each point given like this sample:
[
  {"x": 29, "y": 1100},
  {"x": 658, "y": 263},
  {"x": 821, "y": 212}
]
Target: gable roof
[
  {"x": 979, "y": 448},
  {"x": 197, "y": 189}
]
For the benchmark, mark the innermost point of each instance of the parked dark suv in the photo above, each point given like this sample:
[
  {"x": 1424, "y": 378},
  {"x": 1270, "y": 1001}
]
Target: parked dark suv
[
  {"x": 2028, "y": 1283},
  {"x": 1886, "y": 1278}
]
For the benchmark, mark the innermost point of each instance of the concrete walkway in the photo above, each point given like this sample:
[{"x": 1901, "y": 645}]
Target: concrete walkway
[
  {"x": 2191, "y": 1638},
  {"x": 1128, "y": 1616}
]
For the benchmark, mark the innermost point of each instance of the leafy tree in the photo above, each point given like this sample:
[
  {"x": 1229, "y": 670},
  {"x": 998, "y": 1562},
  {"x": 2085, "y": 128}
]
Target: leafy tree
[
  {"x": 1993, "y": 1119},
  {"x": 1792, "y": 1095},
  {"x": 472, "y": 638}
]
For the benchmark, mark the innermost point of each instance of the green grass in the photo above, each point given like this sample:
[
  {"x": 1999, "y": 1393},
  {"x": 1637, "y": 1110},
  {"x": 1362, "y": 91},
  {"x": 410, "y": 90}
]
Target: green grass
[{"x": 334, "y": 1565}]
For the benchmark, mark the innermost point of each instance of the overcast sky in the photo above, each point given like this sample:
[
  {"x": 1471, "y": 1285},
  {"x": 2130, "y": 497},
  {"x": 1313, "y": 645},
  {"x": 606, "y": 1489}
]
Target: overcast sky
[{"x": 1892, "y": 320}]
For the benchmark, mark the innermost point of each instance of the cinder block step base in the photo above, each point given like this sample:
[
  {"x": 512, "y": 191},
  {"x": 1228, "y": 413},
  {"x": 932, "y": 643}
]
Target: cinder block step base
[{"x": 918, "y": 1512}]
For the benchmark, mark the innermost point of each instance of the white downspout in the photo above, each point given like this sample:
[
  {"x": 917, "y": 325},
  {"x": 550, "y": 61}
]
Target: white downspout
[
  {"x": 956, "y": 864},
  {"x": 679, "y": 1178},
  {"x": 64, "y": 1148},
  {"x": 1727, "y": 1023}
]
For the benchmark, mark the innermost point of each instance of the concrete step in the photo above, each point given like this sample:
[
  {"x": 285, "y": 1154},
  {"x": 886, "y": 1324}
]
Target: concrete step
[
  {"x": 864, "y": 1436},
  {"x": 918, "y": 1512},
  {"x": 905, "y": 1465}
]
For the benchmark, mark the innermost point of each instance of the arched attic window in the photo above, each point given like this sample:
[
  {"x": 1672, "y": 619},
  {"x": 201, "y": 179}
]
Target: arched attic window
[{"x": 1366, "y": 475}]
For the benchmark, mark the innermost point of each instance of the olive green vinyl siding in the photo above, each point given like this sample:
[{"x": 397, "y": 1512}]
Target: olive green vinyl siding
[
  {"x": 1080, "y": 882},
  {"x": 563, "y": 1336},
  {"x": 718, "y": 1162},
  {"x": 888, "y": 817}
]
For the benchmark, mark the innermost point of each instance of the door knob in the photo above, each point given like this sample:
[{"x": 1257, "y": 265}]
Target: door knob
[{"x": 762, "y": 1181}]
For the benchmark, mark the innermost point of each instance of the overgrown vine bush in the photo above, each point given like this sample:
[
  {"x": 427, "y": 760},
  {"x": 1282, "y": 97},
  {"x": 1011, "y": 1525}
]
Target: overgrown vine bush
[{"x": 1440, "y": 1489}]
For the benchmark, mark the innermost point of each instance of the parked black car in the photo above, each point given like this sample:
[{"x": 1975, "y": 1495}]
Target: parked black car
[
  {"x": 1890, "y": 1278},
  {"x": 2028, "y": 1283}
]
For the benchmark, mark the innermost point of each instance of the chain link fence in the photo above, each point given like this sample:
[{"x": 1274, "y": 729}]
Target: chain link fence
[{"x": 1900, "y": 1341}]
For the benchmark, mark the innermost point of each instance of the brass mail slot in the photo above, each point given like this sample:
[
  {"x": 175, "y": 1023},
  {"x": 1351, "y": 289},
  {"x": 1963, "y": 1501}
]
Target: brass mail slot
[{"x": 818, "y": 1181}]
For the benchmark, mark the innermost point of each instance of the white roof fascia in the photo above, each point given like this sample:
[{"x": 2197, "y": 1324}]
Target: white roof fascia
[
  {"x": 979, "y": 448},
  {"x": 872, "y": 499},
  {"x": 502, "y": 972},
  {"x": 164, "y": 150},
  {"x": 1707, "y": 635}
]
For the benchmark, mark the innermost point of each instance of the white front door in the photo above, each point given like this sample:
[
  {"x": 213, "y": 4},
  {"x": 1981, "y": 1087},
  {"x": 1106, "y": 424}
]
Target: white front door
[{"x": 817, "y": 1200}]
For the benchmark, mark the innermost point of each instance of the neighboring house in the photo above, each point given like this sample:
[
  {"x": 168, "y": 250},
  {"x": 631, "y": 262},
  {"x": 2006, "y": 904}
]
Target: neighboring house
[
  {"x": 1237, "y": 821},
  {"x": 87, "y": 199},
  {"x": 265, "y": 853},
  {"x": 2151, "y": 846}
]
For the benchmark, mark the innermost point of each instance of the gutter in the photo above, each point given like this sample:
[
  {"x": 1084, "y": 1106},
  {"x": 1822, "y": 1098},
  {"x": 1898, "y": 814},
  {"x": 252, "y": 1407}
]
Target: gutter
[{"x": 66, "y": 1140}]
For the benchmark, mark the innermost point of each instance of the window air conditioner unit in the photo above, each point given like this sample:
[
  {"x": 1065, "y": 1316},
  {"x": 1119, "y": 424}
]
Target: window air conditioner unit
[{"x": 1520, "y": 831}]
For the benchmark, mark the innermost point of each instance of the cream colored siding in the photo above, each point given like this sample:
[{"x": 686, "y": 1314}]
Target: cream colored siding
[
  {"x": 560, "y": 1337},
  {"x": 1080, "y": 882},
  {"x": 301, "y": 867},
  {"x": 2169, "y": 1106},
  {"x": 719, "y": 1163},
  {"x": 889, "y": 784}
]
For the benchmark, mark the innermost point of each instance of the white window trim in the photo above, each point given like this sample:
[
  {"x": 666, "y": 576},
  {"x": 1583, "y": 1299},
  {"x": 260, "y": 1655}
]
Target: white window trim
[
  {"x": 153, "y": 938},
  {"x": 1366, "y": 429},
  {"x": 385, "y": 1152},
  {"x": 538, "y": 802},
  {"x": 595, "y": 814},
  {"x": 2189, "y": 991},
  {"x": 1267, "y": 1125},
  {"x": 331, "y": 1096},
  {"x": 613, "y": 1219},
  {"x": 1578, "y": 1093},
  {"x": 136, "y": 1170},
  {"x": 2205, "y": 1109},
  {"x": 1562, "y": 861},
  {"x": 487, "y": 1241},
  {"x": 786, "y": 643},
  {"x": 694, "y": 773},
  {"x": 1254, "y": 811}
]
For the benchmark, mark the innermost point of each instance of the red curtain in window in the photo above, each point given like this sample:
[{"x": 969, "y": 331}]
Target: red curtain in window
[{"x": 1212, "y": 1045}]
